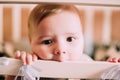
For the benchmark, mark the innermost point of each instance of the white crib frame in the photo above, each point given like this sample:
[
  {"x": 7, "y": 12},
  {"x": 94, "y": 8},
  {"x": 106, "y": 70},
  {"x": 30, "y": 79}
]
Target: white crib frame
[{"x": 54, "y": 69}]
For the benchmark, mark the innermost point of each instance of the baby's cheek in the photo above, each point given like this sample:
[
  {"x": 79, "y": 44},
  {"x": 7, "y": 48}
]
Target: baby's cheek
[
  {"x": 42, "y": 52},
  {"x": 45, "y": 56},
  {"x": 74, "y": 56}
]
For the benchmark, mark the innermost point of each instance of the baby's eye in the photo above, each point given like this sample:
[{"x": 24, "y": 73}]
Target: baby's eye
[
  {"x": 47, "y": 42},
  {"x": 70, "y": 39}
]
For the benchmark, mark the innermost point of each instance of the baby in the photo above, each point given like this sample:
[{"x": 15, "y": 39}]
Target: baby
[{"x": 55, "y": 33}]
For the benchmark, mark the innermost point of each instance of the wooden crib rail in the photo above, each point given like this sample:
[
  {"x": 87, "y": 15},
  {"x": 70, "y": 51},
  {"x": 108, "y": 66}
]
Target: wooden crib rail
[
  {"x": 113, "y": 3},
  {"x": 56, "y": 69}
]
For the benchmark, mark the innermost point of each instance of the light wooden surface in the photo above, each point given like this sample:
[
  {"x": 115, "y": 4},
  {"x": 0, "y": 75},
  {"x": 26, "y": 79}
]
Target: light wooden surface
[{"x": 82, "y": 2}]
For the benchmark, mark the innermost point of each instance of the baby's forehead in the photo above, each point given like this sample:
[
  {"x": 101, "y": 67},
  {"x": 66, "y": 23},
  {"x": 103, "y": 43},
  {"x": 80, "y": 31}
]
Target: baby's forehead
[{"x": 58, "y": 12}]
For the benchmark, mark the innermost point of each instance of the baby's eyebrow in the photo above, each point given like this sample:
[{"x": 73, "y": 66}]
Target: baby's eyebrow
[
  {"x": 69, "y": 33},
  {"x": 43, "y": 36},
  {"x": 73, "y": 34}
]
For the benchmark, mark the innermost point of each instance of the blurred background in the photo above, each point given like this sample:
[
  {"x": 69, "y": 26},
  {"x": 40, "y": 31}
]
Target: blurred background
[{"x": 101, "y": 28}]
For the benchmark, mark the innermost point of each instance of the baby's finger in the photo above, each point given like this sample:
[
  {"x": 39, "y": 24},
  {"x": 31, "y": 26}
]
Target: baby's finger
[
  {"x": 34, "y": 57},
  {"x": 113, "y": 60},
  {"x": 29, "y": 58},
  {"x": 23, "y": 57},
  {"x": 119, "y": 60},
  {"x": 17, "y": 54}
]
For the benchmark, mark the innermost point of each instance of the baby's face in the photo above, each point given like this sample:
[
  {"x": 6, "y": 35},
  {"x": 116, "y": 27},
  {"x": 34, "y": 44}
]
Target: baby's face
[{"x": 58, "y": 37}]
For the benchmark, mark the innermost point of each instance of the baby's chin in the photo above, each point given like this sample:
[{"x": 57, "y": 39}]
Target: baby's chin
[
  {"x": 63, "y": 60},
  {"x": 68, "y": 60}
]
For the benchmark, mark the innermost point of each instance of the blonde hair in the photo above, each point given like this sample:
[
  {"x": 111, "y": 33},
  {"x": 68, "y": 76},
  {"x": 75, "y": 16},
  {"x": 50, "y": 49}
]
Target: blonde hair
[{"x": 42, "y": 11}]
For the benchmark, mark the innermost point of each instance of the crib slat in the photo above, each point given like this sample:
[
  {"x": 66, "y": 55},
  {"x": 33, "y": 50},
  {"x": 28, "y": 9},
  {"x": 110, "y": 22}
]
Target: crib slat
[
  {"x": 113, "y": 3},
  {"x": 55, "y": 69}
]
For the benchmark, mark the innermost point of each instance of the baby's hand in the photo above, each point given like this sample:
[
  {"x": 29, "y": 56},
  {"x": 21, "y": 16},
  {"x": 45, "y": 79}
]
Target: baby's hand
[
  {"x": 26, "y": 57},
  {"x": 114, "y": 60}
]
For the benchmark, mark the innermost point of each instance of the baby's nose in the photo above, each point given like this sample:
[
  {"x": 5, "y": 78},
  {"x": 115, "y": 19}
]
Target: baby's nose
[
  {"x": 60, "y": 51},
  {"x": 61, "y": 55}
]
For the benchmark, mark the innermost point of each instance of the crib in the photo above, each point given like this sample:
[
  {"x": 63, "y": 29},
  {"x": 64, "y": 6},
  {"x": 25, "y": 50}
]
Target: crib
[
  {"x": 53, "y": 69},
  {"x": 17, "y": 31}
]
